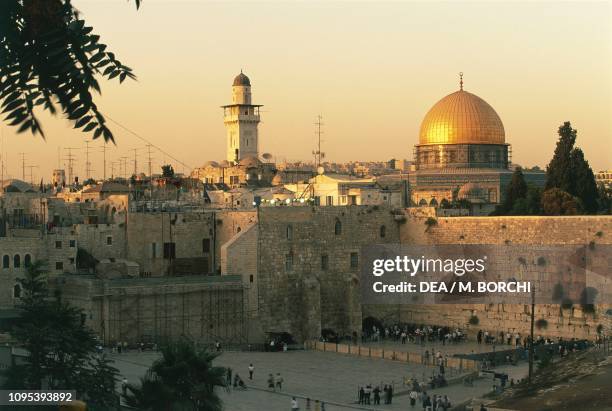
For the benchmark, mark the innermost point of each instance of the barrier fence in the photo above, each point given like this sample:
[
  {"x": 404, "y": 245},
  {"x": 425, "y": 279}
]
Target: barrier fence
[{"x": 461, "y": 364}]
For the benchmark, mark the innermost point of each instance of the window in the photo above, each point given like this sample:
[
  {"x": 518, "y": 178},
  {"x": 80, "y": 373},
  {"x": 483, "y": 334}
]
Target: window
[
  {"x": 109, "y": 240},
  {"x": 354, "y": 260},
  {"x": 27, "y": 260},
  {"x": 330, "y": 200},
  {"x": 58, "y": 244},
  {"x": 383, "y": 231},
  {"x": 16, "y": 261},
  {"x": 17, "y": 291},
  {"x": 169, "y": 251},
  {"x": 289, "y": 232},
  {"x": 238, "y": 230},
  {"x": 71, "y": 260},
  {"x": 6, "y": 261},
  {"x": 72, "y": 243},
  {"x": 324, "y": 262},
  {"x": 206, "y": 245},
  {"x": 338, "y": 228},
  {"x": 59, "y": 265},
  {"x": 289, "y": 262},
  {"x": 153, "y": 250},
  {"x": 251, "y": 278}
]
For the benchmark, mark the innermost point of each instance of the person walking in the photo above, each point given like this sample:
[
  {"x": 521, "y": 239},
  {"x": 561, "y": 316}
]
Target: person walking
[
  {"x": 279, "y": 381},
  {"x": 294, "y": 404},
  {"x": 413, "y": 397},
  {"x": 251, "y": 370}
]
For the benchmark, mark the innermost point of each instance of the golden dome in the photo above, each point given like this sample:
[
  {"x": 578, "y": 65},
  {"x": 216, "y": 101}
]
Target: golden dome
[{"x": 462, "y": 118}]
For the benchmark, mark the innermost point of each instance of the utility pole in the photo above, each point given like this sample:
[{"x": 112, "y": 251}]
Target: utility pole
[
  {"x": 113, "y": 169},
  {"x": 531, "y": 353}
]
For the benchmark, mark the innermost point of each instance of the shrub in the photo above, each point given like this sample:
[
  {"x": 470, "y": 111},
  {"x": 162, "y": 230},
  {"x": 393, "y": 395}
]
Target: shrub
[
  {"x": 474, "y": 320},
  {"x": 541, "y": 324}
]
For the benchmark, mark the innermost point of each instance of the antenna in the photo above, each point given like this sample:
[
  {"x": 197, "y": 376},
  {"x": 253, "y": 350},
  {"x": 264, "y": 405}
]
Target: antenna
[
  {"x": 135, "y": 150},
  {"x": 318, "y": 154},
  {"x": 71, "y": 159},
  {"x": 124, "y": 165},
  {"x": 31, "y": 174},
  {"x": 87, "y": 163},
  {"x": 23, "y": 166},
  {"x": 104, "y": 161}
]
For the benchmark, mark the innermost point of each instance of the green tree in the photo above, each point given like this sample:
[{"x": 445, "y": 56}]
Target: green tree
[
  {"x": 604, "y": 201},
  {"x": 558, "y": 171},
  {"x": 530, "y": 205},
  {"x": 516, "y": 190},
  {"x": 585, "y": 187},
  {"x": 570, "y": 172},
  {"x": 50, "y": 58},
  {"x": 61, "y": 349},
  {"x": 558, "y": 202},
  {"x": 184, "y": 378}
]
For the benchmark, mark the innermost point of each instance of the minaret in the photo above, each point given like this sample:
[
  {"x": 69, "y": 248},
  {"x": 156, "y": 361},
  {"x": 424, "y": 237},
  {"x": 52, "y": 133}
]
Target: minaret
[{"x": 241, "y": 119}]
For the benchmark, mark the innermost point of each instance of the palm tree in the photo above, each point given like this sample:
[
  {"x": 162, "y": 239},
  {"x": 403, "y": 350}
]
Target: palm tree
[{"x": 182, "y": 379}]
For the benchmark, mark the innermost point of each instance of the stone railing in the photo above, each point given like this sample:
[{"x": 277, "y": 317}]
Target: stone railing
[{"x": 461, "y": 364}]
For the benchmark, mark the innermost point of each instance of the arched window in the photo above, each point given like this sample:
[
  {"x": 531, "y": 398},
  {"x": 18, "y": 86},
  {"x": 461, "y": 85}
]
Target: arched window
[
  {"x": 423, "y": 202},
  {"x": 6, "y": 261},
  {"x": 17, "y": 291},
  {"x": 27, "y": 260},
  {"x": 238, "y": 230},
  {"x": 338, "y": 227},
  {"x": 16, "y": 261},
  {"x": 289, "y": 232},
  {"x": 433, "y": 202},
  {"x": 383, "y": 231}
]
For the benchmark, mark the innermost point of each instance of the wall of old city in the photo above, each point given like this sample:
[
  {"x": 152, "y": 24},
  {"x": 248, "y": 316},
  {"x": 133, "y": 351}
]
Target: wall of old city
[
  {"x": 589, "y": 231},
  {"x": 308, "y": 265}
]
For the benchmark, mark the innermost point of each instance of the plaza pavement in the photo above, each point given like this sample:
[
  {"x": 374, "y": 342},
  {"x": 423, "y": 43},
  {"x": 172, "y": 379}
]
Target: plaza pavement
[{"x": 330, "y": 377}]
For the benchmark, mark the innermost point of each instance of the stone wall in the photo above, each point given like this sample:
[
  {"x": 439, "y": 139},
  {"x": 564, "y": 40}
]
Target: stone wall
[
  {"x": 204, "y": 308},
  {"x": 570, "y": 322},
  {"x": 308, "y": 271}
]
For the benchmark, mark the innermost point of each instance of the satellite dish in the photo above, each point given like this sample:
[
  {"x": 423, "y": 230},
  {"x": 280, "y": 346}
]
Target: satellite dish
[
  {"x": 266, "y": 156},
  {"x": 320, "y": 170}
]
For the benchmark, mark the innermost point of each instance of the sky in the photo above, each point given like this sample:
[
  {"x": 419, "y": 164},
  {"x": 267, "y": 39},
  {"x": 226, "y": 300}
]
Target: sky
[{"x": 371, "y": 69}]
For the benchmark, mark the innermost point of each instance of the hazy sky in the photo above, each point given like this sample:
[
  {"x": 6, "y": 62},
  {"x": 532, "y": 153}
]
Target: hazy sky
[{"x": 372, "y": 69}]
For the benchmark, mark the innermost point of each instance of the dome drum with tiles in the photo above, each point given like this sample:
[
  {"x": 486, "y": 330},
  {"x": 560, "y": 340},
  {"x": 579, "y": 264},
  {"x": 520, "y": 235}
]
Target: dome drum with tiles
[{"x": 461, "y": 130}]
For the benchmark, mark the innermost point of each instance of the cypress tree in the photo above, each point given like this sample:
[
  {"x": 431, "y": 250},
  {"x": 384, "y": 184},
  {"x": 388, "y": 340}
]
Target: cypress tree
[
  {"x": 585, "y": 187},
  {"x": 558, "y": 171},
  {"x": 570, "y": 172}
]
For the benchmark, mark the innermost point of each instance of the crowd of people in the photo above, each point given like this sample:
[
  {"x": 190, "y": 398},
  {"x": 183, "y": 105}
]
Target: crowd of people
[
  {"x": 429, "y": 403},
  {"x": 405, "y": 333},
  {"x": 372, "y": 396}
]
